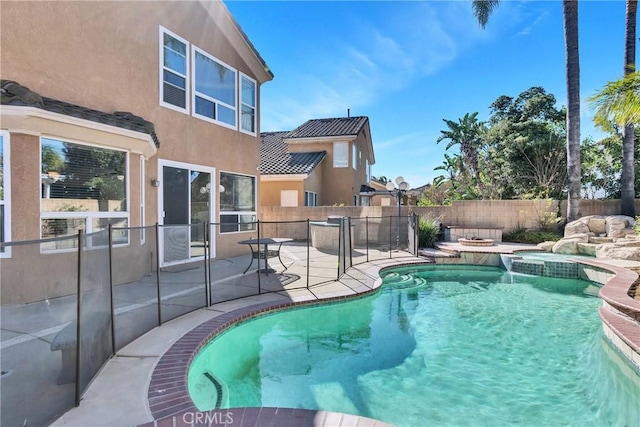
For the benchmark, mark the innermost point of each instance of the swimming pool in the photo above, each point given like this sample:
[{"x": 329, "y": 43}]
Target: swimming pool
[{"x": 455, "y": 345}]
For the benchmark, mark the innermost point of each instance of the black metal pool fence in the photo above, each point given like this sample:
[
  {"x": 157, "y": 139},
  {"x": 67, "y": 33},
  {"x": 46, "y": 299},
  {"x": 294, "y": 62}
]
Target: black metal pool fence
[{"x": 68, "y": 304}]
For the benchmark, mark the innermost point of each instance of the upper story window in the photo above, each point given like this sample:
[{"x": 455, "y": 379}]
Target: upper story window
[
  {"x": 248, "y": 104},
  {"x": 354, "y": 157},
  {"x": 368, "y": 170},
  {"x": 174, "y": 71},
  {"x": 340, "y": 154},
  {"x": 195, "y": 82},
  {"x": 214, "y": 95},
  {"x": 5, "y": 198},
  {"x": 83, "y": 188},
  {"x": 237, "y": 202}
]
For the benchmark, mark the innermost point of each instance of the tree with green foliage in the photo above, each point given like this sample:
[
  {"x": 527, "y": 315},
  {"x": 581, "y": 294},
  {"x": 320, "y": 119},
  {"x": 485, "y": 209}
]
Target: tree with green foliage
[
  {"x": 483, "y": 9},
  {"x": 526, "y": 150}
]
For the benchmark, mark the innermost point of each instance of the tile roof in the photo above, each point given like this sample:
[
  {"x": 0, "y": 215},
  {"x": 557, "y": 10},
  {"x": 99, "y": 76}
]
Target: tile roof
[
  {"x": 14, "y": 93},
  {"x": 341, "y": 126},
  {"x": 275, "y": 158}
]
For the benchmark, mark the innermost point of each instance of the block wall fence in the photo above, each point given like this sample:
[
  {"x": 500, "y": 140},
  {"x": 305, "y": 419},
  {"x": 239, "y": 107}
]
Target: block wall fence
[{"x": 505, "y": 214}]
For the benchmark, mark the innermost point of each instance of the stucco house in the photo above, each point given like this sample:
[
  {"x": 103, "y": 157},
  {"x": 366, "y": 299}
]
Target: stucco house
[
  {"x": 128, "y": 113},
  {"x": 322, "y": 162}
]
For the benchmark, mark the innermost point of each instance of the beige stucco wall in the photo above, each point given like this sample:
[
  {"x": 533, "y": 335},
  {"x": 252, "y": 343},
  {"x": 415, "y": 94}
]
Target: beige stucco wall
[
  {"x": 105, "y": 55},
  {"x": 314, "y": 183}
]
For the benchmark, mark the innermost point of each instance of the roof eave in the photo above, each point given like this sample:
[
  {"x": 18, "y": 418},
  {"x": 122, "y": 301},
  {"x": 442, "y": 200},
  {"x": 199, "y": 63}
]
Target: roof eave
[
  {"x": 284, "y": 177},
  {"x": 314, "y": 139},
  {"x": 36, "y": 121}
]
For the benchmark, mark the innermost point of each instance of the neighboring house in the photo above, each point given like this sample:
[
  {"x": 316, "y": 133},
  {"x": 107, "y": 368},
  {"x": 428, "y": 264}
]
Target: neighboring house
[
  {"x": 321, "y": 162},
  {"x": 128, "y": 113}
]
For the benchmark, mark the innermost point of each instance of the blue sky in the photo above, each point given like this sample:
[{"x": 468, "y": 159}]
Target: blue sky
[{"x": 409, "y": 64}]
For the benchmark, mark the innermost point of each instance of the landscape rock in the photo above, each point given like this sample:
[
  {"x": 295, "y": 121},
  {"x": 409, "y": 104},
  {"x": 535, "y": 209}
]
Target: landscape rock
[
  {"x": 597, "y": 224},
  {"x": 568, "y": 246},
  {"x": 576, "y": 227},
  {"x": 546, "y": 246},
  {"x": 619, "y": 225},
  {"x": 587, "y": 249},
  {"x": 599, "y": 240},
  {"x": 612, "y": 250}
]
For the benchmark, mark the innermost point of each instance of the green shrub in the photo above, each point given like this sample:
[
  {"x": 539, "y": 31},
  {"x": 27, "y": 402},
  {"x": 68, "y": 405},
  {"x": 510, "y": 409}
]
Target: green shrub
[
  {"x": 523, "y": 235},
  {"x": 428, "y": 230}
]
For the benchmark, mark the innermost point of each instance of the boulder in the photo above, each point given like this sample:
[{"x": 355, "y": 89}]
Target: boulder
[
  {"x": 612, "y": 250},
  {"x": 566, "y": 246},
  {"x": 599, "y": 240},
  {"x": 619, "y": 225},
  {"x": 581, "y": 237},
  {"x": 587, "y": 249},
  {"x": 627, "y": 243},
  {"x": 597, "y": 224},
  {"x": 546, "y": 246},
  {"x": 576, "y": 227}
]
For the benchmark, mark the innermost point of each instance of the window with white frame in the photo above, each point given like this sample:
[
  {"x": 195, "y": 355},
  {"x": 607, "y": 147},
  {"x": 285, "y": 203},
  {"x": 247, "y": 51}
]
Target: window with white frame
[
  {"x": 354, "y": 157},
  {"x": 247, "y": 104},
  {"x": 237, "y": 202},
  {"x": 310, "y": 198},
  {"x": 174, "y": 71},
  {"x": 340, "y": 154},
  {"x": 368, "y": 170},
  {"x": 5, "y": 194},
  {"x": 83, "y": 188},
  {"x": 214, "y": 94}
]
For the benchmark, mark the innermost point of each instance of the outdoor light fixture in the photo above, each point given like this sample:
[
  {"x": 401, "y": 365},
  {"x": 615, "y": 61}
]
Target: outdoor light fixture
[
  {"x": 399, "y": 193},
  {"x": 155, "y": 182}
]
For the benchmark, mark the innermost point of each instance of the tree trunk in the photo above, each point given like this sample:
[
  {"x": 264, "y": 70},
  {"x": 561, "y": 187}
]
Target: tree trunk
[
  {"x": 570, "y": 11},
  {"x": 627, "y": 177}
]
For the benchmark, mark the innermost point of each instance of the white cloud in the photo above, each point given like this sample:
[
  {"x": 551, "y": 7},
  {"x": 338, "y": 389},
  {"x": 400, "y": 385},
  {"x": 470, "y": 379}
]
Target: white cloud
[{"x": 381, "y": 56}]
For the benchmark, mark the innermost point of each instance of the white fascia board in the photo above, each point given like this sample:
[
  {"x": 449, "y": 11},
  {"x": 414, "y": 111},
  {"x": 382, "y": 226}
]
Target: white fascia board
[
  {"x": 316, "y": 139},
  {"x": 35, "y": 121},
  {"x": 292, "y": 177}
]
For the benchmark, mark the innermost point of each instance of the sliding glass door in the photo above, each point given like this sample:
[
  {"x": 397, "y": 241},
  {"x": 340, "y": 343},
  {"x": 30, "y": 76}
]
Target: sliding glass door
[{"x": 185, "y": 210}]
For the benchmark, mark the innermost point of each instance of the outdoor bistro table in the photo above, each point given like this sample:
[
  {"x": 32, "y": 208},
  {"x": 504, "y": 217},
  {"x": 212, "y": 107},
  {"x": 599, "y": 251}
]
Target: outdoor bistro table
[{"x": 256, "y": 253}]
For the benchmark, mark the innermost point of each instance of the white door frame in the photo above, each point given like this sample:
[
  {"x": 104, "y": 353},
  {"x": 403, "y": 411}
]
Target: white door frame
[{"x": 212, "y": 205}]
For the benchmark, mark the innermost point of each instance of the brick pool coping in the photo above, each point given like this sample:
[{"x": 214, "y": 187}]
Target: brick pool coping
[
  {"x": 620, "y": 312},
  {"x": 168, "y": 397}
]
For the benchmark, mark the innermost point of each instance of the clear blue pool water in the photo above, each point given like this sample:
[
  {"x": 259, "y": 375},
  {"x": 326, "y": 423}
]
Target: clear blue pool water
[{"x": 444, "y": 346}]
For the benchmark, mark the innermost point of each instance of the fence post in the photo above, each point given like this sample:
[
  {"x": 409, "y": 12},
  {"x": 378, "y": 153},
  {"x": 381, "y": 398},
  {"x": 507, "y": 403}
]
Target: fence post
[
  {"x": 78, "y": 312},
  {"x": 308, "y": 245},
  {"x": 204, "y": 245},
  {"x": 366, "y": 235},
  {"x": 158, "y": 273},
  {"x": 265, "y": 262},
  {"x": 340, "y": 246},
  {"x": 208, "y": 256},
  {"x": 416, "y": 234},
  {"x": 113, "y": 314},
  {"x": 350, "y": 242},
  {"x": 390, "y": 235}
]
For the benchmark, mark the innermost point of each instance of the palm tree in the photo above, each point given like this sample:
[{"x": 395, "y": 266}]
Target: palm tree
[
  {"x": 483, "y": 9},
  {"x": 618, "y": 101},
  {"x": 627, "y": 196},
  {"x": 466, "y": 132}
]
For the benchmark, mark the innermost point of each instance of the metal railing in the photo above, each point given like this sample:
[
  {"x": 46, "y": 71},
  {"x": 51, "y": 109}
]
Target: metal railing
[{"x": 70, "y": 303}]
